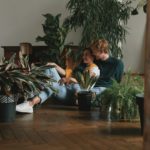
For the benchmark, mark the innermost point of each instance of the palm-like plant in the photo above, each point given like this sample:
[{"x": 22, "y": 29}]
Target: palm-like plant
[{"x": 104, "y": 19}]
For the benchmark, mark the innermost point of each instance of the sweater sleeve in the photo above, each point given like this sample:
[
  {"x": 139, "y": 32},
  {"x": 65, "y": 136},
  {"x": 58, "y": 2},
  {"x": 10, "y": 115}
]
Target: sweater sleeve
[
  {"x": 119, "y": 71},
  {"x": 95, "y": 70}
]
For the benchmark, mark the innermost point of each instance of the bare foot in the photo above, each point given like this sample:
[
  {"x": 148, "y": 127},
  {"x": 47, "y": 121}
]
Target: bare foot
[{"x": 35, "y": 101}]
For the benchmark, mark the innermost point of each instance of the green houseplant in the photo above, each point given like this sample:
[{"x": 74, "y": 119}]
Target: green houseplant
[
  {"x": 54, "y": 37},
  {"x": 141, "y": 3},
  {"x": 16, "y": 80},
  {"x": 9, "y": 85},
  {"x": 119, "y": 101},
  {"x": 104, "y": 19},
  {"x": 85, "y": 96},
  {"x": 36, "y": 76}
]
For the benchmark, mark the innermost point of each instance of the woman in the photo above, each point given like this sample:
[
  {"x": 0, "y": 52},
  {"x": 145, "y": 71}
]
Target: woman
[
  {"x": 64, "y": 86},
  {"x": 86, "y": 65}
]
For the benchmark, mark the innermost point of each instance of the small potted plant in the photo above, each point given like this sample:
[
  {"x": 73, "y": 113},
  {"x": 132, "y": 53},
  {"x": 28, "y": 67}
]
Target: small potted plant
[{"x": 85, "y": 96}]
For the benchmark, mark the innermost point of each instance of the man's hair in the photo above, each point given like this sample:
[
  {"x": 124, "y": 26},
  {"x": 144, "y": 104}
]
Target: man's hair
[{"x": 100, "y": 45}]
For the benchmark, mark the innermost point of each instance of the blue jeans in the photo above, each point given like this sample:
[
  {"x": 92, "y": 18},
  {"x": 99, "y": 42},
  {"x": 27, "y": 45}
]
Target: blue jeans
[{"x": 64, "y": 92}]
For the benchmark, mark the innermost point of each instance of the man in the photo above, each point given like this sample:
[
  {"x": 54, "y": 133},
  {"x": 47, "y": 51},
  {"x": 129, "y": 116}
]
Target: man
[{"x": 110, "y": 67}]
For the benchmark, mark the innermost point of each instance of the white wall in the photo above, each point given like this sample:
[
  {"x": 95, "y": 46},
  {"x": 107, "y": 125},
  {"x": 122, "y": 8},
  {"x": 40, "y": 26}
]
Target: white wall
[
  {"x": 20, "y": 20},
  {"x": 133, "y": 49}
]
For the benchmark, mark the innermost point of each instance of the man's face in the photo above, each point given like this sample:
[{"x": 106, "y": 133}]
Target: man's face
[{"x": 100, "y": 55}]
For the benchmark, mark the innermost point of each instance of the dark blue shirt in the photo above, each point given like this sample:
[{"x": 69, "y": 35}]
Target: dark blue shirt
[{"x": 112, "y": 68}]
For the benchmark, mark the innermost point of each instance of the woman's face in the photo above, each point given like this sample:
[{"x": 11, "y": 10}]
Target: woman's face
[{"x": 87, "y": 57}]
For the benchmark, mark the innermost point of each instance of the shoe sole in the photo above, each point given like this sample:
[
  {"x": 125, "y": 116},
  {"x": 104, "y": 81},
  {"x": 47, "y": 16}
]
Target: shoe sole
[{"x": 30, "y": 112}]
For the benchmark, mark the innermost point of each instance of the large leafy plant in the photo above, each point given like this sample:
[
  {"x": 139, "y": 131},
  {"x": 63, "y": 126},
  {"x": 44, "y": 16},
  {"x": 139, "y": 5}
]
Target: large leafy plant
[
  {"x": 35, "y": 74},
  {"x": 121, "y": 97},
  {"x": 100, "y": 19},
  {"x": 54, "y": 37},
  {"x": 16, "y": 79},
  {"x": 7, "y": 86}
]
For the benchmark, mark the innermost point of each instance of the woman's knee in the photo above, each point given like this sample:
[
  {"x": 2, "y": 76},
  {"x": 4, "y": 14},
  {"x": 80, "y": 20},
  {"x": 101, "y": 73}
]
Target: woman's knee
[{"x": 45, "y": 94}]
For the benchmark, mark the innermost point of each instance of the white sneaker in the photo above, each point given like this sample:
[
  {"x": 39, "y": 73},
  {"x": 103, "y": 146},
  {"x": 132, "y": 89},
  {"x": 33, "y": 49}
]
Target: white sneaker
[{"x": 24, "y": 107}]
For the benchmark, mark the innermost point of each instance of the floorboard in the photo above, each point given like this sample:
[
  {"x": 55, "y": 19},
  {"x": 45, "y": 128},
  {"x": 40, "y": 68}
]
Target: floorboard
[{"x": 65, "y": 128}]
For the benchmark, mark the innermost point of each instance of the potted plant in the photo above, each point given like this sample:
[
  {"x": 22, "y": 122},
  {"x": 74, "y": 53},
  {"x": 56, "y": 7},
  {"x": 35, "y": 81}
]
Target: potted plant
[
  {"x": 141, "y": 3},
  {"x": 35, "y": 74},
  {"x": 85, "y": 96},
  {"x": 119, "y": 101},
  {"x": 54, "y": 37},
  {"x": 14, "y": 81},
  {"x": 8, "y": 94},
  {"x": 104, "y": 19}
]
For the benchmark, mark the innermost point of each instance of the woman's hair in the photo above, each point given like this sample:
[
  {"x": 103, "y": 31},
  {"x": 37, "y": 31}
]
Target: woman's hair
[
  {"x": 90, "y": 51},
  {"x": 100, "y": 45},
  {"x": 81, "y": 66}
]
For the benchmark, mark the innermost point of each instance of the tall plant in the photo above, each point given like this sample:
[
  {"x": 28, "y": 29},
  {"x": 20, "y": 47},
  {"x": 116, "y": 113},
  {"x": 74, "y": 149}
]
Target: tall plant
[
  {"x": 54, "y": 37},
  {"x": 100, "y": 19}
]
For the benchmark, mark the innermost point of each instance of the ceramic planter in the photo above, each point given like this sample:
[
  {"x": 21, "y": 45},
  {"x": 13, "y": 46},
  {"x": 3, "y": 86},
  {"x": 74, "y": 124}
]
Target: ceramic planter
[
  {"x": 8, "y": 108},
  {"x": 84, "y": 100}
]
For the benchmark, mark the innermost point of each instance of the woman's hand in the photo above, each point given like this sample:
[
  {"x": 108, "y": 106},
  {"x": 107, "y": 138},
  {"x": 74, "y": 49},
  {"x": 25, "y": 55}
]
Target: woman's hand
[{"x": 64, "y": 81}]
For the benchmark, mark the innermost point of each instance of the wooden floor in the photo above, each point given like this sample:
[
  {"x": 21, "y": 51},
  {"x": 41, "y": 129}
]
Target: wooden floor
[{"x": 65, "y": 128}]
